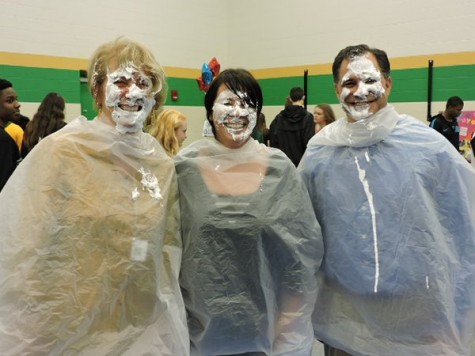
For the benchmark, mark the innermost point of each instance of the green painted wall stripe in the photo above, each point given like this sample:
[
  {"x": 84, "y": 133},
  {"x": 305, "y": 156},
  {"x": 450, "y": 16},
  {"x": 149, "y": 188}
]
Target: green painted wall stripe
[
  {"x": 409, "y": 85},
  {"x": 188, "y": 92},
  {"x": 32, "y": 84}
]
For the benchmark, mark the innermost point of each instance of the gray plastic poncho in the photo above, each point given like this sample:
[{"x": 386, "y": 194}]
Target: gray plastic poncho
[
  {"x": 249, "y": 262},
  {"x": 397, "y": 209},
  {"x": 90, "y": 249}
]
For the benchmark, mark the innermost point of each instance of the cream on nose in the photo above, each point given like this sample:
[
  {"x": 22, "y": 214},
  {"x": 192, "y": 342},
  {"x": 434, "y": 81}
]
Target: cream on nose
[{"x": 362, "y": 91}]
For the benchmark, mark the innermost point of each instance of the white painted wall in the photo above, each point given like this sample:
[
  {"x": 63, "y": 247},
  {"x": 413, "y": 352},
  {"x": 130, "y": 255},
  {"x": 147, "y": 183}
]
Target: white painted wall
[
  {"x": 181, "y": 33},
  {"x": 252, "y": 34},
  {"x": 246, "y": 33},
  {"x": 278, "y": 33}
]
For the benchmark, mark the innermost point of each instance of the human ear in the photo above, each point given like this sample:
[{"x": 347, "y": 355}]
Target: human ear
[
  {"x": 388, "y": 85},
  {"x": 337, "y": 90}
]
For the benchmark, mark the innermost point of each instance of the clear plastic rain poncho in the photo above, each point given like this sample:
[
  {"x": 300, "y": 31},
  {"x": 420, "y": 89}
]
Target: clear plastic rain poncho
[
  {"x": 249, "y": 262},
  {"x": 90, "y": 249},
  {"x": 397, "y": 209}
]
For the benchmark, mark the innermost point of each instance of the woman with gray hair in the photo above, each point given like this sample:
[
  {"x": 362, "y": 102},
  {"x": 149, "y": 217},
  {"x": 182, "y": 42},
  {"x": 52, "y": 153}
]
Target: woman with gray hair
[{"x": 90, "y": 252}]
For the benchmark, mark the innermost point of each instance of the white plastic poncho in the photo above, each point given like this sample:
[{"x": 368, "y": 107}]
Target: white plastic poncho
[
  {"x": 90, "y": 249},
  {"x": 249, "y": 262},
  {"x": 397, "y": 209}
]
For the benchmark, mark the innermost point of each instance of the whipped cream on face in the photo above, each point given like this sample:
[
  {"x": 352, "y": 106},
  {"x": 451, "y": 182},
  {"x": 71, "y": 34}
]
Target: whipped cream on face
[
  {"x": 369, "y": 84},
  {"x": 129, "y": 111},
  {"x": 231, "y": 111}
]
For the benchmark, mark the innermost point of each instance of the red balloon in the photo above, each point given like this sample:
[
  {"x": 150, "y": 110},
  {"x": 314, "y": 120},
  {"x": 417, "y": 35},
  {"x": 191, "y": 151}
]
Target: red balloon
[
  {"x": 215, "y": 66},
  {"x": 202, "y": 85}
]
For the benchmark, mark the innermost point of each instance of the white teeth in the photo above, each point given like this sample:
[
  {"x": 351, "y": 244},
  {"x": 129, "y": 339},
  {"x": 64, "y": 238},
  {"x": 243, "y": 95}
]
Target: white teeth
[
  {"x": 130, "y": 108},
  {"x": 235, "y": 126}
]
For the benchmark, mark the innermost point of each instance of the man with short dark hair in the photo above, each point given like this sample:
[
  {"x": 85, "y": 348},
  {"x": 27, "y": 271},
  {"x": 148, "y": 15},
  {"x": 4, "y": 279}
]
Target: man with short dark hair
[
  {"x": 393, "y": 199},
  {"x": 9, "y": 151},
  {"x": 293, "y": 127},
  {"x": 446, "y": 122}
]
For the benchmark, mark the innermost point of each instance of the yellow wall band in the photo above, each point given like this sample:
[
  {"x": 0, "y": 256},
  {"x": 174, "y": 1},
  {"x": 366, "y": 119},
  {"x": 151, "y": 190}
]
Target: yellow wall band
[{"x": 42, "y": 61}]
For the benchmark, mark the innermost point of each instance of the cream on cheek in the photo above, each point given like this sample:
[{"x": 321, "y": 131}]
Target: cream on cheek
[
  {"x": 229, "y": 113},
  {"x": 368, "y": 86},
  {"x": 130, "y": 105},
  {"x": 113, "y": 94}
]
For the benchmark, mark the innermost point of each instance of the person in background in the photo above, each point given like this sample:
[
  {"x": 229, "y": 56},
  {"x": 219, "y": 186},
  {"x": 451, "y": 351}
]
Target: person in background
[
  {"x": 391, "y": 195},
  {"x": 169, "y": 128},
  {"x": 446, "y": 122},
  {"x": 288, "y": 102},
  {"x": 16, "y": 129},
  {"x": 16, "y": 132},
  {"x": 323, "y": 115},
  {"x": 472, "y": 144},
  {"x": 261, "y": 132},
  {"x": 249, "y": 262},
  {"x": 9, "y": 152},
  {"x": 48, "y": 119},
  {"x": 292, "y": 127},
  {"x": 21, "y": 120},
  {"x": 90, "y": 249}
]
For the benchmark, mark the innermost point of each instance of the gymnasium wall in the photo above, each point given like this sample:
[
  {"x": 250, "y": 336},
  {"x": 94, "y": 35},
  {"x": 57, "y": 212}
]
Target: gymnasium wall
[{"x": 46, "y": 44}]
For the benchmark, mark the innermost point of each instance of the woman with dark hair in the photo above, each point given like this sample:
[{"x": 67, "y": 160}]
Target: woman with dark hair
[
  {"x": 48, "y": 119},
  {"x": 261, "y": 132},
  {"x": 249, "y": 261}
]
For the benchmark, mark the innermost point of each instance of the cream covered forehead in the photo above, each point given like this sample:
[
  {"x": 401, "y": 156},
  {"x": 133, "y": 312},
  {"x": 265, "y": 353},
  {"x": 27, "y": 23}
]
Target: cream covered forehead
[
  {"x": 227, "y": 96},
  {"x": 361, "y": 67},
  {"x": 232, "y": 104},
  {"x": 130, "y": 71}
]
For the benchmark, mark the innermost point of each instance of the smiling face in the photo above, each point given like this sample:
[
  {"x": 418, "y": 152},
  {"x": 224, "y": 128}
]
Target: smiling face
[
  {"x": 128, "y": 98},
  {"x": 233, "y": 118},
  {"x": 362, "y": 88}
]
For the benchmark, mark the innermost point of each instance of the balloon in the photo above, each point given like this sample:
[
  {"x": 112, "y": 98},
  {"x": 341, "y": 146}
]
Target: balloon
[
  {"x": 201, "y": 84},
  {"x": 215, "y": 66},
  {"x": 206, "y": 74}
]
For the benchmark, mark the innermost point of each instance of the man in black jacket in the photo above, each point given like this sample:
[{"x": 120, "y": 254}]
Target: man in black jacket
[
  {"x": 446, "y": 122},
  {"x": 293, "y": 127}
]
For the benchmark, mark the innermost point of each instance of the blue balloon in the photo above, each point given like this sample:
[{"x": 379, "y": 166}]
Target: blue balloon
[{"x": 206, "y": 74}]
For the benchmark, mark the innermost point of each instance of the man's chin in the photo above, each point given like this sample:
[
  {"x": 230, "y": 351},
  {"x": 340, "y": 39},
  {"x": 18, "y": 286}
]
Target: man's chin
[{"x": 16, "y": 116}]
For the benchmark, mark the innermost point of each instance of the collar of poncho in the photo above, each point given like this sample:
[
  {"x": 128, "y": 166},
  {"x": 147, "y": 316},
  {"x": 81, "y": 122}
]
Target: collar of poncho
[{"x": 362, "y": 133}]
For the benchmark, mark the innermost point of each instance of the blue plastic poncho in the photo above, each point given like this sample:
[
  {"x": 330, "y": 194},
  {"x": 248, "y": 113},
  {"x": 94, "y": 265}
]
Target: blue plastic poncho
[
  {"x": 90, "y": 249},
  {"x": 397, "y": 209},
  {"x": 251, "y": 245}
]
